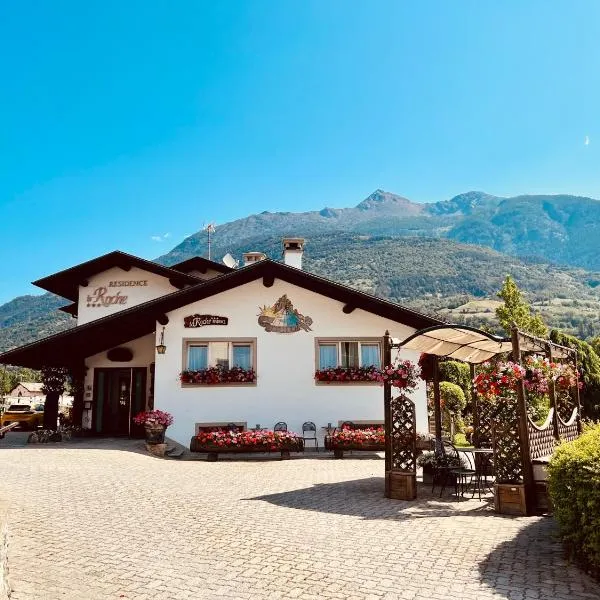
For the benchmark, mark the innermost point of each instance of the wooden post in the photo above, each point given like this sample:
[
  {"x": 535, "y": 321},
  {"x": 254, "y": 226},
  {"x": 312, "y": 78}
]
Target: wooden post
[
  {"x": 78, "y": 385},
  {"x": 552, "y": 395},
  {"x": 437, "y": 403},
  {"x": 387, "y": 400},
  {"x": 576, "y": 394},
  {"x": 523, "y": 428},
  {"x": 475, "y": 435}
]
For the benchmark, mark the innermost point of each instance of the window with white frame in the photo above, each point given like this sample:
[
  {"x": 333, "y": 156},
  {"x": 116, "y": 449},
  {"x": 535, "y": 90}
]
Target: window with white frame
[
  {"x": 227, "y": 354},
  {"x": 348, "y": 353}
]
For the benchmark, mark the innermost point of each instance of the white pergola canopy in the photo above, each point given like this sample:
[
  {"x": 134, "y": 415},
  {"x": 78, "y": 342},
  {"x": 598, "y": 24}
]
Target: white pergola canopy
[{"x": 471, "y": 345}]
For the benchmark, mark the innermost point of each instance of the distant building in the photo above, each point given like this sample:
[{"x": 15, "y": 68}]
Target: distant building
[{"x": 27, "y": 389}]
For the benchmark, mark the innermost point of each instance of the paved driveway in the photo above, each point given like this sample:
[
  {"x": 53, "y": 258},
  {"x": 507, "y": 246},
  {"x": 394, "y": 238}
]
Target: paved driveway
[{"x": 91, "y": 521}]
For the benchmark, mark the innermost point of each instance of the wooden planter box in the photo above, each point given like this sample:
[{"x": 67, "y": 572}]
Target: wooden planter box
[
  {"x": 509, "y": 499},
  {"x": 214, "y": 451},
  {"x": 400, "y": 485},
  {"x": 339, "y": 449},
  {"x": 428, "y": 472}
]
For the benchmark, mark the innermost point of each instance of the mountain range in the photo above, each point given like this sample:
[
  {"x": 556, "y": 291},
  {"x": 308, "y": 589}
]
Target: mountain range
[{"x": 447, "y": 257}]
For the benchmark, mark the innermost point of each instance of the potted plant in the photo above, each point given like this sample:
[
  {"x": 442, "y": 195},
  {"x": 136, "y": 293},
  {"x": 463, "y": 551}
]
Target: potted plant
[
  {"x": 155, "y": 423},
  {"x": 424, "y": 440},
  {"x": 431, "y": 464}
]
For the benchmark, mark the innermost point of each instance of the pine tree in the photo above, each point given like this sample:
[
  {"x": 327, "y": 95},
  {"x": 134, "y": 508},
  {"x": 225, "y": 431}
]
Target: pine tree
[{"x": 516, "y": 310}]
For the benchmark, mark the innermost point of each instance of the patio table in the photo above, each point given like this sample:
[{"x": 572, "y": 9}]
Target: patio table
[{"x": 482, "y": 461}]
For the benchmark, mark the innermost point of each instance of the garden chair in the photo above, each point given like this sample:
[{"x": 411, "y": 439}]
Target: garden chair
[
  {"x": 458, "y": 467},
  {"x": 309, "y": 433},
  {"x": 280, "y": 426}
]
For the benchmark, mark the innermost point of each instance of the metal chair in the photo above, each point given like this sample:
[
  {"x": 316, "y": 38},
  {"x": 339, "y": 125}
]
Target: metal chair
[
  {"x": 280, "y": 426},
  {"x": 458, "y": 468},
  {"x": 309, "y": 433}
]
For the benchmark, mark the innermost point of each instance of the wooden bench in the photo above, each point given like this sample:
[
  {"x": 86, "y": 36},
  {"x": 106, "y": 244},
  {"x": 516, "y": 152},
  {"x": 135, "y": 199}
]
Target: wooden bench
[{"x": 8, "y": 427}]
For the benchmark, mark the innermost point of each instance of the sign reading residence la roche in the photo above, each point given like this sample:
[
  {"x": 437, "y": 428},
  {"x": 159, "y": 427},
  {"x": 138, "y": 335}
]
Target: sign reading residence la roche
[
  {"x": 102, "y": 297},
  {"x": 202, "y": 320}
]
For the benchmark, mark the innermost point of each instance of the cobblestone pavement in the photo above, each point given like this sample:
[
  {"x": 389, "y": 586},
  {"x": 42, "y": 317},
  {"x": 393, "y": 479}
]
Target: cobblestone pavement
[{"x": 101, "y": 520}]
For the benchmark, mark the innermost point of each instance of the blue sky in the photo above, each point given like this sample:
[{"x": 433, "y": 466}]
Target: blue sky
[{"x": 124, "y": 121}]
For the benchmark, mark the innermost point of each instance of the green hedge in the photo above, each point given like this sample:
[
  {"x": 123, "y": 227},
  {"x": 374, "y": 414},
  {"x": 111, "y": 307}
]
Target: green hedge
[{"x": 574, "y": 485}]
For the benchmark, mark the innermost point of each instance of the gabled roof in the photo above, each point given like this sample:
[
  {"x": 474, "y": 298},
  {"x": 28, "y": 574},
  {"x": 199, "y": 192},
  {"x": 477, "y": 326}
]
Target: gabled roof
[
  {"x": 66, "y": 283},
  {"x": 70, "y": 309},
  {"x": 30, "y": 386},
  {"x": 71, "y": 346},
  {"x": 198, "y": 263}
]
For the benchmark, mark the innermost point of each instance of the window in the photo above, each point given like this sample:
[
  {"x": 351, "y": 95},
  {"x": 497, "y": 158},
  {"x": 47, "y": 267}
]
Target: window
[
  {"x": 348, "y": 353},
  {"x": 202, "y": 354}
]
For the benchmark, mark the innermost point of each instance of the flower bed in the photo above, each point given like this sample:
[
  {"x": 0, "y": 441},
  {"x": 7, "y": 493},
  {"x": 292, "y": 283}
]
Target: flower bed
[
  {"x": 218, "y": 375},
  {"x": 217, "y": 442}
]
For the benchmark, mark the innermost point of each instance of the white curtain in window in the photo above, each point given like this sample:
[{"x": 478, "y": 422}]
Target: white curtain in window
[
  {"x": 327, "y": 356},
  {"x": 369, "y": 355},
  {"x": 197, "y": 357},
  {"x": 242, "y": 357},
  {"x": 349, "y": 354}
]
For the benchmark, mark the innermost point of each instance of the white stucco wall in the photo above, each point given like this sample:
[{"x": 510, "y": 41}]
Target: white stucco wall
[
  {"x": 285, "y": 388},
  {"x": 143, "y": 350},
  {"x": 90, "y": 307}
]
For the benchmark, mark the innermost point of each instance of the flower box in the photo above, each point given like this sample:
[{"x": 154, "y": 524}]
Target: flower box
[
  {"x": 350, "y": 375},
  {"x": 238, "y": 442},
  {"x": 367, "y": 440},
  {"x": 403, "y": 375},
  {"x": 218, "y": 376}
]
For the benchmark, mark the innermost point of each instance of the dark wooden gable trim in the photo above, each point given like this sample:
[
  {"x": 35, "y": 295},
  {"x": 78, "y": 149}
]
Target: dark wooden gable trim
[
  {"x": 137, "y": 321},
  {"x": 66, "y": 283},
  {"x": 201, "y": 264}
]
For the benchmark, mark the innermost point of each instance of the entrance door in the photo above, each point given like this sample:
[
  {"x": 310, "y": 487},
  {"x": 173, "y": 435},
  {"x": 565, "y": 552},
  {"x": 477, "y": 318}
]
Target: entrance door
[{"x": 119, "y": 395}]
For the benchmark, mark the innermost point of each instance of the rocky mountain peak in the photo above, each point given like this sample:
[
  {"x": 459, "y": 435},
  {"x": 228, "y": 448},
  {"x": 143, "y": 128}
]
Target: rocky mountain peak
[{"x": 381, "y": 198}]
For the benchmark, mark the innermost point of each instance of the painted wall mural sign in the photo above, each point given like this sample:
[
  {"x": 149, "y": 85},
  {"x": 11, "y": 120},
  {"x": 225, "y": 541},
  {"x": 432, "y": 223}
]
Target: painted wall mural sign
[
  {"x": 202, "y": 320},
  {"x": 102, "y": 297},
  {"x": 282, "y": 317}
]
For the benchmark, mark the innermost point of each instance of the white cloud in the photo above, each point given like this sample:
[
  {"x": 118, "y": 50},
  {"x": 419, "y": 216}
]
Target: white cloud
[
  {"x": 160, "y": 238},
  {"x": 587, "y": 140}
]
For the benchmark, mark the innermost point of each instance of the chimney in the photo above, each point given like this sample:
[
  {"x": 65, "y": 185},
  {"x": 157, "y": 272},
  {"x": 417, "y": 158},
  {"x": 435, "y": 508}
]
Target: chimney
[
  {"x": 293, "y": 249},
  {"x": 253, "y": 257}
]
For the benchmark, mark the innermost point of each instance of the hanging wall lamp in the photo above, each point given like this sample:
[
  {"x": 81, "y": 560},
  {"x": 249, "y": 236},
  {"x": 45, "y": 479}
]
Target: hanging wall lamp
[{"x": 161, "y": 348}]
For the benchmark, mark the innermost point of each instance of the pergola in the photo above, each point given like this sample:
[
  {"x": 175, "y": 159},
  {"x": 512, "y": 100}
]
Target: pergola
[{"x": 519, "y": 441}]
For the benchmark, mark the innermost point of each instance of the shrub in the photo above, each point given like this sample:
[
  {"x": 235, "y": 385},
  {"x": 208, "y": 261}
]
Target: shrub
[{"x": 574, "y": 486}]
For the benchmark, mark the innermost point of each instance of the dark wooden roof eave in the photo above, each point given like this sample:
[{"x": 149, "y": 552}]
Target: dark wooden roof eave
[
  {"x": 201, "y": 264},
  {"x": 102, "y": 334},
  {"x": 66, "y": 283}
]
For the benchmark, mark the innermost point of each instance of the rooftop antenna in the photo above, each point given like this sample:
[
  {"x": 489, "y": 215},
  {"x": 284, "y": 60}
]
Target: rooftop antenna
[{"x": 210, "y": 229}]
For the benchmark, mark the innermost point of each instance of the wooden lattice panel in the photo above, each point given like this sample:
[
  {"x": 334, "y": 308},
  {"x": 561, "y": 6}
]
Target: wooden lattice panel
[
  {"x": 568, "y": 431},
  {"x": 508, "y": 464},
  {"x": 541, "y": 439},
  {"x": 483, "y": 426},
  {"x": 403, "y": 434}
]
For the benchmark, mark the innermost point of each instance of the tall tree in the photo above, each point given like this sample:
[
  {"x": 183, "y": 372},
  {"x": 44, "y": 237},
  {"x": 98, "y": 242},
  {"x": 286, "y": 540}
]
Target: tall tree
[{"x": 516, "y": 310}]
